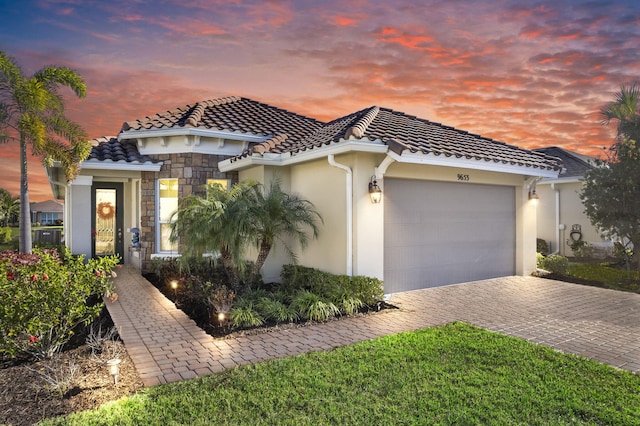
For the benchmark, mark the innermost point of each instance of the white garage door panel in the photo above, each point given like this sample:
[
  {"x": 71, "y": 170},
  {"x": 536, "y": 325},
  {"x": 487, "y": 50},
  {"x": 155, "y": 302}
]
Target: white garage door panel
[{"x": 439, "y": 233}]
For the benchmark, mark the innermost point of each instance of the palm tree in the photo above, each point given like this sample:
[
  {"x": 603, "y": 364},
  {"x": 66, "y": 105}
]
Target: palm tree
[
  {"x": 624, "y": 109},
  {"x": 216, "y": 222},
  {"x": 32, "y": 112},
  {"x": 9, "y": 207},
  {"x": 278, "y": 217}
]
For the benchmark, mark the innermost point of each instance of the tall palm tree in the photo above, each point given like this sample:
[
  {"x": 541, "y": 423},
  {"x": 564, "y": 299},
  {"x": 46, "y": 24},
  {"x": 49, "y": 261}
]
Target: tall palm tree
[
  {"x": 32, "y": 112},
  {"x": 216, "y": 222},
  {"x": 625, "y": 110},
  {"x": 279, "y": 217},
  {"x": 9, "y": 207}
]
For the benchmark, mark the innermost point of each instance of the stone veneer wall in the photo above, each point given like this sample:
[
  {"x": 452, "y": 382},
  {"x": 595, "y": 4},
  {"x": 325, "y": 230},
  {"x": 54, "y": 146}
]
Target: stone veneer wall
[{"x": 192, "y": 171}]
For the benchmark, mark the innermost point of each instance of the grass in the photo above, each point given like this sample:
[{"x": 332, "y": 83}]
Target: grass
[
  {"x": 452, "y": 374},
  {"x": 610, "y": 277},
  {"x": 15, "y": 231}
]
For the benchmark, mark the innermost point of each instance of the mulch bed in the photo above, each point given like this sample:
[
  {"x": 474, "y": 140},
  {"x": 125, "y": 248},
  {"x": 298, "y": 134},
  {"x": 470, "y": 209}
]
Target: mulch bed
[{"x": 25, "y": 398}]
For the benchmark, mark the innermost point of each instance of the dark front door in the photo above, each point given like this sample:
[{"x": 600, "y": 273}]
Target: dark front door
[{"x": 107, "y": 219}]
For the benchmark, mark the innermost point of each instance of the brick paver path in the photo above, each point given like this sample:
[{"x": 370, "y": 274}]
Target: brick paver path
[{"x": 166, "y": 346}]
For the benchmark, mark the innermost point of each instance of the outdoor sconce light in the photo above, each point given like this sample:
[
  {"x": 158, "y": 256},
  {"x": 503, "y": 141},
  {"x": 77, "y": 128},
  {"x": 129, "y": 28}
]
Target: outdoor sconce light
[
  {"x": 374, "y": 191},
  {"x": 114, "y": 369},
  {"x": 533, "y": 196}
]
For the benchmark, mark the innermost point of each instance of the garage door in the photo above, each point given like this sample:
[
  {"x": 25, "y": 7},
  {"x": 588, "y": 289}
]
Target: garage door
[{"x": 439, "y": 233}]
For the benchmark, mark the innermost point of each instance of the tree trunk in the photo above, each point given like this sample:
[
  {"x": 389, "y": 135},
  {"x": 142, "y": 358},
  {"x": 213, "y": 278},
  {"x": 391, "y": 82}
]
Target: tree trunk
[
  {"x": 265, "y": 248},
  {"x": 25, "y": 208},
  {"x": 232, "y": 272}
]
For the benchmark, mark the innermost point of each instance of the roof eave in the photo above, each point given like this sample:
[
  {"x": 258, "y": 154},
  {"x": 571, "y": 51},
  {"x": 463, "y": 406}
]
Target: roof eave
[
  {"x": 286, "y": 159},
  {"x": 186, "y": 131},
  {"x": 466, "y": 163},
  {"x": 120, "y": 165}
]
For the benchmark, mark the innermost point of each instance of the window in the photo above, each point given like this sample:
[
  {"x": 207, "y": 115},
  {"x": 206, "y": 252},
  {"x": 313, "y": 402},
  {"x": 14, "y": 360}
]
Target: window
[
  {"x": 167, "y": 204},
  {"x": 224, "y": 183}
]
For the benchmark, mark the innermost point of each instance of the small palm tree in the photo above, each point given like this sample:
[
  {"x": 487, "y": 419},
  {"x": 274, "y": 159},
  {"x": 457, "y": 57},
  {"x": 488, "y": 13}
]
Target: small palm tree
[
  {"x": 9, "y": 207},
  {"x": 279, "y": 217},
  {"x": 624, "y": 109},
  {"x": 216, "y": 222},
  {"x": 32, "y": 113}
]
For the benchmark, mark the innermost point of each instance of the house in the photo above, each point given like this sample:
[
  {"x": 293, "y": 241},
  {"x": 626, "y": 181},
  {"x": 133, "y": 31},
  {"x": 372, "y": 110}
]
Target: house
[
  {"x": 50, "y": 212},
  {"x": 561, "y": 218},
  {"x": 455, "y": 206}
]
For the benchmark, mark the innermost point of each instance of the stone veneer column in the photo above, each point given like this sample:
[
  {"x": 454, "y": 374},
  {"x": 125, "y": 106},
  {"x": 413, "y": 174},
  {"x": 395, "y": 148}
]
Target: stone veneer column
[{"x": 192, "y": 171}]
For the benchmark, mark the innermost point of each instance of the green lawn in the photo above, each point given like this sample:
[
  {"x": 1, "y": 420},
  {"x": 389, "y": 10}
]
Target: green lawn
[
  {"x": 453, "y": 374},
  {"x": 15, "y": 231},
  {"x": 615, "y": 278}
]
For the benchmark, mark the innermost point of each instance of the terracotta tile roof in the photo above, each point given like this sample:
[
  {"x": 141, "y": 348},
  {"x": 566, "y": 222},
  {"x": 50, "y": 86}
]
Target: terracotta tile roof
[
  {"x": 575, "y": 165},
  {"x": 402, "y": 132},
  {"x": 109, "y": 148},
  {"x": 233, "y": 114}
]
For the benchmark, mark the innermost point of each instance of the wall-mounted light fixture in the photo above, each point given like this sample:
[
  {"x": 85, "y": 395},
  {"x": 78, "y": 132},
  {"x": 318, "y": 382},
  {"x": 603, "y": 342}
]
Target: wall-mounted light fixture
[
  {"x": 533, "y": 195},
  {"x": 374, "y": 191}
]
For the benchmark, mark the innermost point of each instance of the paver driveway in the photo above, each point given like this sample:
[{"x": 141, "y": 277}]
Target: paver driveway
[{"x": 166, "y": 346}]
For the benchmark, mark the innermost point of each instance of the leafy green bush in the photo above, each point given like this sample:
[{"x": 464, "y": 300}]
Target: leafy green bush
[
  {"x": 5, "y": 235},
  {"x": 555, "y": 263},
  {"x": 333, "y": 287},
  {"x": 275, "y": 310},
  {"x": 44, "y": 296},
  {"x": 542, "y": 247},
  {"x": 312, "y": 307},
  {"x": 244, "y": 314},
  {"x": 581, "y": 249}
]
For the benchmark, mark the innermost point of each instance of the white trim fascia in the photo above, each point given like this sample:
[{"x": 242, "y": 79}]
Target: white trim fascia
[
  {"x": 157, "y": 133},
  {"x": 466, "y": 163},
  {"x": 572, "y": 179},
  {"x": 286, "y": 159},
  {"x": 120, "y": 165}
]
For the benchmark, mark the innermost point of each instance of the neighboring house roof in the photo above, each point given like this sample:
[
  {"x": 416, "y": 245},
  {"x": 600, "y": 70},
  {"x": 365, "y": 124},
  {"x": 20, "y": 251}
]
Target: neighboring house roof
[
  {"x": 574, "y": 165},
  {"x": 405, "y": 133},
  {"x": 49, "y": 206},
  {"x": 230, "y": 114}
]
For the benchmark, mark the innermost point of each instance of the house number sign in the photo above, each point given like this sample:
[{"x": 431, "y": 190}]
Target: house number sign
[{"x": 463, "y": 178}]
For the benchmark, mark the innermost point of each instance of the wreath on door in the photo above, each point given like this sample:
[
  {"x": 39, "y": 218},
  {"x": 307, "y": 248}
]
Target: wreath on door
[{"x": 105, "y": 210}]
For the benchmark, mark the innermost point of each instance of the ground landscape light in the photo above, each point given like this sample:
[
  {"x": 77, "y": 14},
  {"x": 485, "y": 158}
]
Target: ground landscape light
[
  {"x": 374, "y": 191},
  {"x": 114, "y": 369}
]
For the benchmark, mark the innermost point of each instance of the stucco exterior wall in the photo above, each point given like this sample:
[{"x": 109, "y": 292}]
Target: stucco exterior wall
[
  {"x": 326, "y": 187},
  {"x": 571, "y": 212}
]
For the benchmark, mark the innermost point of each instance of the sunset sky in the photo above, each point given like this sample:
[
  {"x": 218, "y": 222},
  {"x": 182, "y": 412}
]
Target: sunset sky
[{"x": 527, "y": 73}]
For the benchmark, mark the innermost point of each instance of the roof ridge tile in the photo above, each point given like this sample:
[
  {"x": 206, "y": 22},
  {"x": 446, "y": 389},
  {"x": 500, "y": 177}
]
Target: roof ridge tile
[{"x": 360, "y": 127}]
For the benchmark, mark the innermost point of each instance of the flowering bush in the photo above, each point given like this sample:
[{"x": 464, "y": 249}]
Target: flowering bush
[{"x": 45, "y": 295}]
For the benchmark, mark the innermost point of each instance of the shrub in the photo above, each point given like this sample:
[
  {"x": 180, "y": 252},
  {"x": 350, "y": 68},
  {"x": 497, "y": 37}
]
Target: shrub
[
  {"x": 244, "y": 314},
  {"x": 44, "y": 297},
  {"x": 275, "y": 310},
  {"x": 312, "y": 307},
  {"x": 581, "y": 249},
  {"x": 542, "y": 247},
  {"x": 333, "y": 287},
  {"x": 555, "y": 263},
  {"x": 5, "y": 235}
]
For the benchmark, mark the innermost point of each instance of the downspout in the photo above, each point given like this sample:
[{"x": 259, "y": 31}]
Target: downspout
[
  {"x": 67, "y": 208},
  {"x": 349, "y": 192},
  {"x": 557, "y": 194}
]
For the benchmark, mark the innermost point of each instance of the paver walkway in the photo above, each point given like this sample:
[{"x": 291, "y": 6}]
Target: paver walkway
[{"x": 166, "y": 346}]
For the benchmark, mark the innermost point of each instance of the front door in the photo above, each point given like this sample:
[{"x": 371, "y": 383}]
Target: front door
[{"x": 107, "y": 219}]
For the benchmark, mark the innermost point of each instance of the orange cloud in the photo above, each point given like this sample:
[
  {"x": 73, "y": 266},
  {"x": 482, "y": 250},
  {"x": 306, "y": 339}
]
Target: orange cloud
[{"x": 344, "y": 21}]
